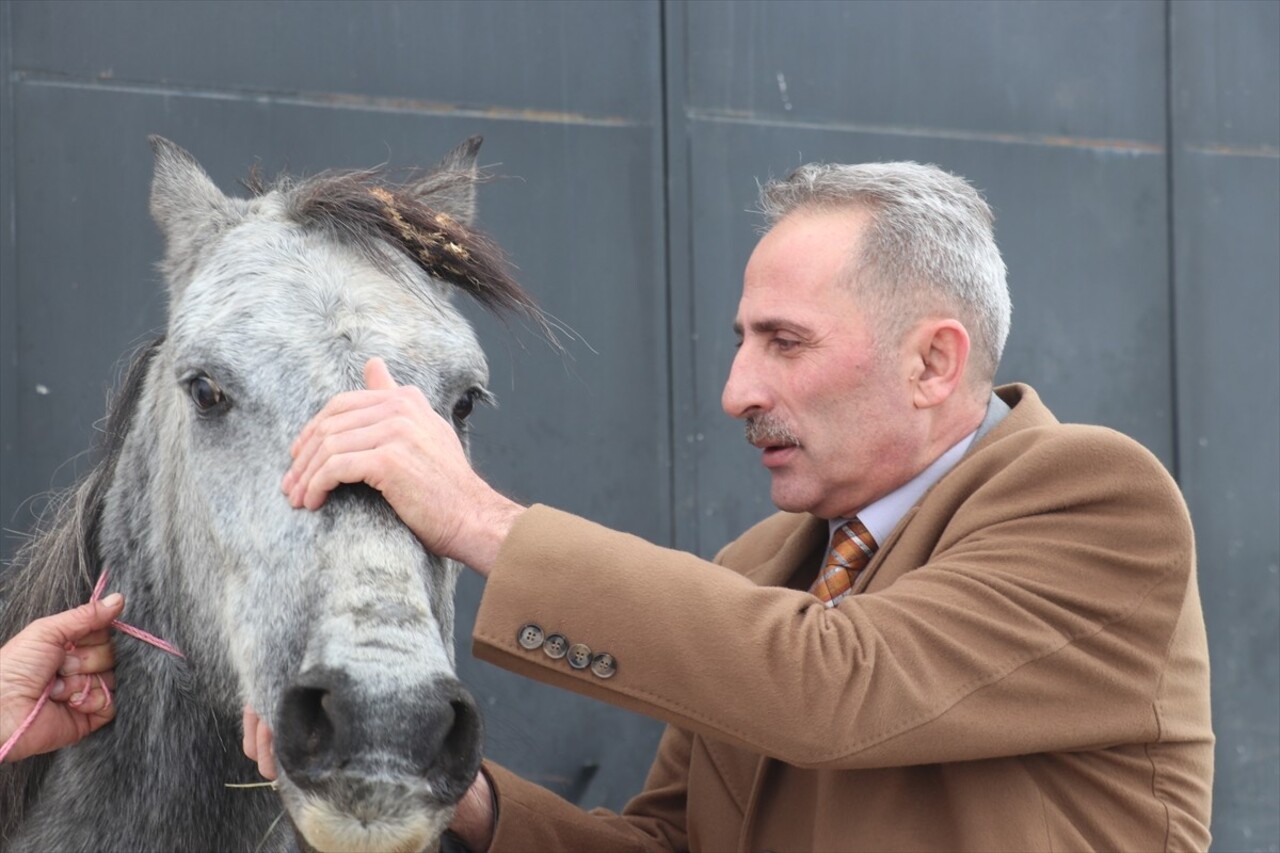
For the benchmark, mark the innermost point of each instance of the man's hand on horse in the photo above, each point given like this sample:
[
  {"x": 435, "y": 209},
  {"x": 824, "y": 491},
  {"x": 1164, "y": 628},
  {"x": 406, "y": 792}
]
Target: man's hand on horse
[
  {"x": 72, "y": 648},
  {"x": 258, "y": 744},
  {"x": 389, "y": 437}
]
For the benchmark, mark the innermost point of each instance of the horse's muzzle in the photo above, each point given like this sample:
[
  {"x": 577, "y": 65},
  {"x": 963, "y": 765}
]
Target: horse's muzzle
[{"x": 428, "y": 738}]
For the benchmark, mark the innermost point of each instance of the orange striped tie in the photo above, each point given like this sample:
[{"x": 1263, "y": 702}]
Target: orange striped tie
[{"x": 852, "y": 548}]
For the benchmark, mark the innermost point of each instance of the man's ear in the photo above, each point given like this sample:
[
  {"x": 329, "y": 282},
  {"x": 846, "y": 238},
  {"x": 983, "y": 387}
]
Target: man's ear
[{"x": 940, "y": 355}]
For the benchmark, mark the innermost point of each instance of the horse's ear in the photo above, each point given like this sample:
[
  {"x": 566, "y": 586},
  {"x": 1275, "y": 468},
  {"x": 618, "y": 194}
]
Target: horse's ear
[
  {"x": 451, "y": 186},
  {"x": 189, "y": 209}
]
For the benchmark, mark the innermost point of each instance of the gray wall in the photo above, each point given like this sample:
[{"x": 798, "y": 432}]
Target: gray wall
[{"x": 1131, "y": 150}]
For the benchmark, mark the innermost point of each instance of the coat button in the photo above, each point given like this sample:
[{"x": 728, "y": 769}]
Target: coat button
[
  {"x": 579, "y": 656},
  {"x": 604, "y": 666},
  {"x": 555, "y": 645},
  {"x": 529, "y": 637}
]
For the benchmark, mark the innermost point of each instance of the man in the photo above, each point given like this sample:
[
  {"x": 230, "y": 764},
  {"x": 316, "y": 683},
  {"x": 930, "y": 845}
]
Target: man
[{"x": 971, "y": 627}]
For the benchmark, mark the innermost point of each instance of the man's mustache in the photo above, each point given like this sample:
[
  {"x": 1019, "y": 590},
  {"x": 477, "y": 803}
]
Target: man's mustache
[{"x": 770, "y": 430}]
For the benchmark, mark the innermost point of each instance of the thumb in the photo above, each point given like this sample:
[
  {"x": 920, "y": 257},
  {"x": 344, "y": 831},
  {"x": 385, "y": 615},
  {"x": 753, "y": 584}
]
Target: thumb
[
  {"x": 71, "y": 625},
  {"x": 377, "y": 377}
]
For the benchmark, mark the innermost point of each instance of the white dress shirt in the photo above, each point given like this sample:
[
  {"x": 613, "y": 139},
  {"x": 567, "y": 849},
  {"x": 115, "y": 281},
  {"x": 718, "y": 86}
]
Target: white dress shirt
[{"x": 881, "y": 516}]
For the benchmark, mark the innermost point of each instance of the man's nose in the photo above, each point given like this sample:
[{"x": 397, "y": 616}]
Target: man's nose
[{"x": 743, "y": 392}]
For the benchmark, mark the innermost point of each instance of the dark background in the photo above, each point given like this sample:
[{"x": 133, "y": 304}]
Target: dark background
[{"x": 1131, "y": 151}]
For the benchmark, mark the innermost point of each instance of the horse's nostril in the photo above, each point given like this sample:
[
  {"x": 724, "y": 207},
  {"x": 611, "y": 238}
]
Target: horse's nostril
[
  {"x": 327, "y": 724},
  {"x": 464, "y": 737},
  {"x": 306, "y": 738},
  {"x": 450, "y": 754}
]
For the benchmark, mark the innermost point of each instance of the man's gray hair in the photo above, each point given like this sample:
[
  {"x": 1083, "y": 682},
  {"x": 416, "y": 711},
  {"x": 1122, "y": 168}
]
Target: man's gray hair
[{"x": 930, "y": 246}]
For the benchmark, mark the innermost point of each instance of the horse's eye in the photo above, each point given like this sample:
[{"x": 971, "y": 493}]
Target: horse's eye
[
  {"x": 465, "y": 404},
  {"x": 205, "y": 393}
]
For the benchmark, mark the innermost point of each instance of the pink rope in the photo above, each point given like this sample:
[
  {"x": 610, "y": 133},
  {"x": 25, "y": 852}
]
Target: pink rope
[
  {"x": 145, "y": 636},
  {"x": 26, "y": 724}
]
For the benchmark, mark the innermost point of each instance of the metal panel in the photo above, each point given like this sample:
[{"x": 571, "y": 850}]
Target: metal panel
[
  {"x": 682, "y": 342},
  {"x": 501, "y": 59},
  {"x": 1026, "y": 69},
  {"x": 1228, "y": 289},
  {"x": 8, "y": 293},
  {"x": 1226, "y": 126},
  {"x": 1225, "y": 67},
  {"x": 86, "y": 288}
]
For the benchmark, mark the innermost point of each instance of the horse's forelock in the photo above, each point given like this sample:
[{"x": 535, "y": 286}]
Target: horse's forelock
[
  {"x": 56, "y": 568},
  {"x": 359, "y": 209}
]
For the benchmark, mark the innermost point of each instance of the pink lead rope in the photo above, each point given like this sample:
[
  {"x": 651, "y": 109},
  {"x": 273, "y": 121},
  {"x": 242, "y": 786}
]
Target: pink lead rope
[{"x": 145, "y": 636}]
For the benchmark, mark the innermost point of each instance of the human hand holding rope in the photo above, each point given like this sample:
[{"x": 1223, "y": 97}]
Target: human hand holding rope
[{"x": 54, "y": 665}]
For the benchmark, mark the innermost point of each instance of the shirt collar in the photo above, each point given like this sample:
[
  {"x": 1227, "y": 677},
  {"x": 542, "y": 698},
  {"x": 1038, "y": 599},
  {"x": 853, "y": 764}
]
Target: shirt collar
[{"x": 881, "y": 516}]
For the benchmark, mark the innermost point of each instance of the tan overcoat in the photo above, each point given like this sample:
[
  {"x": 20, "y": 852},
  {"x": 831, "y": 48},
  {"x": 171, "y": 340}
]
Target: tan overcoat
[{"x": 1023, "y": 667}]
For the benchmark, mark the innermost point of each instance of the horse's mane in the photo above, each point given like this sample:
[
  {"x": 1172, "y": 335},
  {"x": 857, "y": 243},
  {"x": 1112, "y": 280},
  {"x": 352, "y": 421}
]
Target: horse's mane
[
  {"x": 360, "y": 208},
  {"x": 56, "y": 568}
]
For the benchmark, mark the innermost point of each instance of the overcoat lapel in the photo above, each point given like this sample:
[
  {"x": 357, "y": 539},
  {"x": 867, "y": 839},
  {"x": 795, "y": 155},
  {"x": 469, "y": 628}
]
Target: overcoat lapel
[{"x": 804, "y": 547}]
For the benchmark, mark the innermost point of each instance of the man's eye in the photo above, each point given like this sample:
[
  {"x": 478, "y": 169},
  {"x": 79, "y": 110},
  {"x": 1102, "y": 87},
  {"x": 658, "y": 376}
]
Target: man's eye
[{"x": 785, "y": 344}]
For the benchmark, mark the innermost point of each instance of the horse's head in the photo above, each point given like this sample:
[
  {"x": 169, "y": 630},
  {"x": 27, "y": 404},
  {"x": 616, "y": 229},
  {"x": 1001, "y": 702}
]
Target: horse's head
[{"x": 335, "y": 625}]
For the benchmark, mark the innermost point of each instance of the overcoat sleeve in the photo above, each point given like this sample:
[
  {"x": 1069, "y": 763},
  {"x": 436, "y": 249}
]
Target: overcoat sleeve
[
  {"x": 533, "y": 818},
  {"x": 1028, "y": 606}
]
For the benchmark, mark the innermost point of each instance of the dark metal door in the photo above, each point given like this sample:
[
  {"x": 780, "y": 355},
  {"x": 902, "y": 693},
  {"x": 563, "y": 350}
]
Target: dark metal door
[{"x": 1130, "y": 149}]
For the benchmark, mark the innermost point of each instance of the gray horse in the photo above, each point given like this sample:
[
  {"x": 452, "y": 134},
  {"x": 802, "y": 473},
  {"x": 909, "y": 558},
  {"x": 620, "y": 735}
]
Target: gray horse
[{"x": 336, "y": 625}]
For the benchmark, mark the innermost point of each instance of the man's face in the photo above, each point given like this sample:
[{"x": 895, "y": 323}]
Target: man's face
[{"x": 832, "y": 416}]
